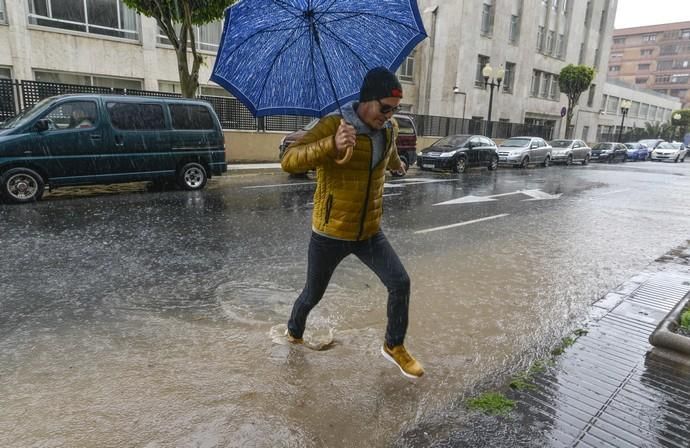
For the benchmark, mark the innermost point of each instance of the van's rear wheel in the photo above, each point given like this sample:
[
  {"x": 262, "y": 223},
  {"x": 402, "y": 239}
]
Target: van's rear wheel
[
  {"x": 192, "y": 176},
  {"x": 21, "y": 185}
]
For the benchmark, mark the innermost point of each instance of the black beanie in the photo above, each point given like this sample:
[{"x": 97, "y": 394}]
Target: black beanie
[{"x": 380, "y": 83}]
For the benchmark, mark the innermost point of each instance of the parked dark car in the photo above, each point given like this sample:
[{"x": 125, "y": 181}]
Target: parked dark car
[
  {"x": 459, "y": 152},
  {"x": 406, "y": 141},
  {"x": 609, "y": 152},
  {"x": 104, "y": 139},
  {"x": 637, "y": 151}
]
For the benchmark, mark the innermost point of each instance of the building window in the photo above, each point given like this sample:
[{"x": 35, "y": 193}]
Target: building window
[
  {"x": 555, "y": 88},
  {"x": 565, "y": 7},
  {"x": 615, "y": 68},
  {"x": 585, "y": 132},
  {"x": 536, "y": 80},
  {"x": 588, "y": 14},
  {"x": 406, "y": 70},
  {"x": 5, "y": 73},
  {"x": 592, "y": 92},
  {"x": 618, "y": 40},
  {"x": 616, "y": 55},
  {"x": 635, "y": 109},
  {"x": 680, "y": 93},
  {"x": 546, "y": 85},
  {"x": 555, "y": 5},
  {"x": 649, "y": 38},
  {"x": 641, "y": 80},
  {"x": 105, "y": 17},
  {"x": 540, "y": 38},
  {"x": 612, "y": 105},
  {"x": 646, "y": 52},
  {"x": 644, "y": 108},
  {"x": 207, "y": 35},
  {"x": 550, "y": 40},
  {"x": 596, "y": 58},
  {"x": 664, "y": 65},
  {"x": 604, "y": 99},
  {"x": 602, "y": 22},
  {"x": 479, "y": 79},
  {"x": 643, "y": 67},
  {"x": 560, "y": 46},
  {"x": 662, "y": 79},
  {"x": 514, "y": 29},
  {"x": 3, "y": 13},
  {"x": 680, "y": 79},
  {"x": 685, "y": 34},
  {"x": 487, "y": 19},
  {"x": 87, "y": 80},
  {"x": 509, "y": 77}
]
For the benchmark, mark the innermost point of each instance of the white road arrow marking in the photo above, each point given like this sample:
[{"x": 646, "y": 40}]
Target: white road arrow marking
[
  {"x": 538, "y": 195},
  {"x": 451, "y": 226}
]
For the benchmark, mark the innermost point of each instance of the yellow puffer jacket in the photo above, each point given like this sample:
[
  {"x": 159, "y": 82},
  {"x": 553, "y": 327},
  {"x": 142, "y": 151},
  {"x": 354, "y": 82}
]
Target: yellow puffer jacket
[{"x": 348, "y": 202}]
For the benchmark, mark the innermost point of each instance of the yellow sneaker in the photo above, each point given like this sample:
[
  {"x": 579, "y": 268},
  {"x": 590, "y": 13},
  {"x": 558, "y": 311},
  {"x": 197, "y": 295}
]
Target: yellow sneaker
[
  {"x": 293, "y": 340},
  {"x": 399, "y": 356}
]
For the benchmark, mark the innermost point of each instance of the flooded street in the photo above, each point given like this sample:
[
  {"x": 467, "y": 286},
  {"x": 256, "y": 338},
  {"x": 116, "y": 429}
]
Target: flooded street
[{"x": 144, "y": 318}]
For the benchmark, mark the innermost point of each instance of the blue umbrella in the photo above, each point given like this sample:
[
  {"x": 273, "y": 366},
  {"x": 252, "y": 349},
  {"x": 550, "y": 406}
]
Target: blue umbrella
[{"x": 308, "y": 57}]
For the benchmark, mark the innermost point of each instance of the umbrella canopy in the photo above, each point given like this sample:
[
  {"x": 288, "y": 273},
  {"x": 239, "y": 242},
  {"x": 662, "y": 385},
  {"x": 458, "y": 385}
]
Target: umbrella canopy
[{"x": 308, "y": 57}]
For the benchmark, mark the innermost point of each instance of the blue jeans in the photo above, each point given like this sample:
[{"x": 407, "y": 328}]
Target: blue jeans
[{"x": 324, "y": 256}]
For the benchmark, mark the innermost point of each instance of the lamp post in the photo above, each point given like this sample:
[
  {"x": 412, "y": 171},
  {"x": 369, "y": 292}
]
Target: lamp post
[
  {"x": 487, "y": 71},
  {"x": 676, "y": 118},
  {"x": 457, "y": 91},
  {"x": 625, "y": 107}
]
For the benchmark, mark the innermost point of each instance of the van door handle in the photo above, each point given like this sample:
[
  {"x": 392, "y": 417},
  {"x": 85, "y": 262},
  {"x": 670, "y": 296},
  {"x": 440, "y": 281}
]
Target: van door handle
[
  {"x": 119, "y": 141},
  {"x": 95, "y": 137}
]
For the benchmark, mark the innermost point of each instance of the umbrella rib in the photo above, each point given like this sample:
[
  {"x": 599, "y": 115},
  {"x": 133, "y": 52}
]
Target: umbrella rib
[
  {"x": 272, "y": 65},
  {"x": 345, "y": 44},
  {"x": 297, "y": 12},
  {"x": 328, "y": 73},
  {"x": 313, "y": 69},
  {"x": 261, "y": 31},
  {"x": 371, "y": 14}
]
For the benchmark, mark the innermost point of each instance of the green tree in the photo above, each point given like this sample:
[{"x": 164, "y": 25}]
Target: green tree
[
  {"x": 574, "y": 79},
  {"x": 176, "y": 19}
]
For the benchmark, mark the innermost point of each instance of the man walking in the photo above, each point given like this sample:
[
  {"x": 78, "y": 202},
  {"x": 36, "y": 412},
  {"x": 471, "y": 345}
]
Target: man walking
[{"x": 348, "y": 205}]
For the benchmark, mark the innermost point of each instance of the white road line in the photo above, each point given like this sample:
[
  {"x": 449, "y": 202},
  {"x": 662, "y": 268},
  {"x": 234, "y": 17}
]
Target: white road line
[
  {"x": 611, "y": 192},
  {"x": 474, "y": 221},
  {"x": 279, "y": 185}
]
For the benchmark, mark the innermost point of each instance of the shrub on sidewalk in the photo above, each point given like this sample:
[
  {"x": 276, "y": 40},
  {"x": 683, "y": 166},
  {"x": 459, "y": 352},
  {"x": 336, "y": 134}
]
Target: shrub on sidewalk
[{"x": 685, "y": 320}]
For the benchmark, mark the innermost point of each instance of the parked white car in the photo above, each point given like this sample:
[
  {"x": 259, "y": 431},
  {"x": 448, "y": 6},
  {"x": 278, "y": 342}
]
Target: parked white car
[
  {"x": 675, "y": 152},
  {"x": 522, "y": 151}
]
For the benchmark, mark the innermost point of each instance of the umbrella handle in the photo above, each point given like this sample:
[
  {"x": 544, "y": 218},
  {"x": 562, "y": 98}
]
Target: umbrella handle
[{"x": 346, "y": 158}]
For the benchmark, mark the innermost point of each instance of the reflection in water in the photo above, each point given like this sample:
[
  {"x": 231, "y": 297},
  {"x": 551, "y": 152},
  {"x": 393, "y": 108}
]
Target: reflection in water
[{"x": 146, "y": 318}]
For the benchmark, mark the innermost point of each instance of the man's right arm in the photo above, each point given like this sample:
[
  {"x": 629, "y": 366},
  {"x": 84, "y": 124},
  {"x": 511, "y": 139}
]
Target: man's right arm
[{"x": 315, "y": 148}]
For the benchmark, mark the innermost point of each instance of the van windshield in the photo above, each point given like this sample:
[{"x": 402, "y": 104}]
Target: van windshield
[
  {"x": 405, "y": 126},
  {"x": 24, "y": 115}
]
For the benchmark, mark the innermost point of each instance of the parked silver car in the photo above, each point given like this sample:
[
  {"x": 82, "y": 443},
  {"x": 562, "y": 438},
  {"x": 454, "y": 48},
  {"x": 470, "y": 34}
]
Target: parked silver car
[
  {"x": 522, "y": 151},
  {"x": 569, "y": 151}
]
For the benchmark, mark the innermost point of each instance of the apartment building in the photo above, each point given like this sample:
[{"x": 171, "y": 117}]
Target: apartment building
[{"x": 656, "y": 57}]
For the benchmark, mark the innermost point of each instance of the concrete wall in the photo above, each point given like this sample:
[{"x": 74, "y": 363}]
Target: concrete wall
[{"x": 263, "y": 146}]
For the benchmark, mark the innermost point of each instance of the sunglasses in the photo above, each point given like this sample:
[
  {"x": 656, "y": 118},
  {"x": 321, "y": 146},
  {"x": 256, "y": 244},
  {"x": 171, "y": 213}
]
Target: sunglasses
[{"x": 386, "y": 109}]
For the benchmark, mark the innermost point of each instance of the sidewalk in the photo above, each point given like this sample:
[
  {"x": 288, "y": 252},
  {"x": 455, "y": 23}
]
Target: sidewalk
[
  {"x": 606, "y": 390},
  {"x": 253, "y": 166}
]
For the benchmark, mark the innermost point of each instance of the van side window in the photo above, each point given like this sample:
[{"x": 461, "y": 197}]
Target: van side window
[
  {"x": 132, "y": 116},
  {"x": 405, "y": 126},
  {"x": 73, "y": 115},
  {"x": 191, "y": 116}
]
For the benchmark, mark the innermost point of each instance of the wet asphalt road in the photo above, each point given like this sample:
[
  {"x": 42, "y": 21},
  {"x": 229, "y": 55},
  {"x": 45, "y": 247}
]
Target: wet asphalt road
[{"x": 135, "y": 317}]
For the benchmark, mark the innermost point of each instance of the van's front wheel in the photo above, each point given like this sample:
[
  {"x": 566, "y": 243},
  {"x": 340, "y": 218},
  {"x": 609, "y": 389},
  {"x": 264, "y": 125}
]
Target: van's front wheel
[
  {"x": 192, "y": 176},
  {"x": 21, "y": 185}
]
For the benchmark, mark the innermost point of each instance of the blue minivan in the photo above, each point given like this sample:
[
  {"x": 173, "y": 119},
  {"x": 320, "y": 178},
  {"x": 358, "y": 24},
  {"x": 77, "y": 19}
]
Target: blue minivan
[{"x": 104, "y": 139}]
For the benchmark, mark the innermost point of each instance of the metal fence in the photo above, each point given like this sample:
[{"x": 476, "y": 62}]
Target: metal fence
[{"x": 18, "y": 95}]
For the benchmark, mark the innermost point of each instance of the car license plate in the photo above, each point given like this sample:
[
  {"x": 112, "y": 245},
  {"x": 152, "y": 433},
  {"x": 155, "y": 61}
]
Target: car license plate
[
  {"x": 427, "y": 165},
  {"x": 503, "y": 159}
]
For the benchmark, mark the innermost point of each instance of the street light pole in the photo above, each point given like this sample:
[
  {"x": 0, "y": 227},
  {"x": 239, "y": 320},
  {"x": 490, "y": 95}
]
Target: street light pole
[
  {"x": 487, "y": 71},
  {"x": 457, "y": 91},
  {"x": 676, "y": 118},
  {"x": 625, "y": 107}
]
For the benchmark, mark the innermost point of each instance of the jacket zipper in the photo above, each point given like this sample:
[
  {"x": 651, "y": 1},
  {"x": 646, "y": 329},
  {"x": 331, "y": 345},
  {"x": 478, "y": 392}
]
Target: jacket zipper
[
  {"x": 366, "y": 198},
  {"x": 329, "y": 205}
]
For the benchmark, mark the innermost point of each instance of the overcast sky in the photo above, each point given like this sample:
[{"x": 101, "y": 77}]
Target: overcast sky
[{"x": 651, "y": 12}]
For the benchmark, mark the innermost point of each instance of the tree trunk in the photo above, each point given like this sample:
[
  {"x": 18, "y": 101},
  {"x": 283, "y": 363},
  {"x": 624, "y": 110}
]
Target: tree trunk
[{"x": 569, "y": 119}]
